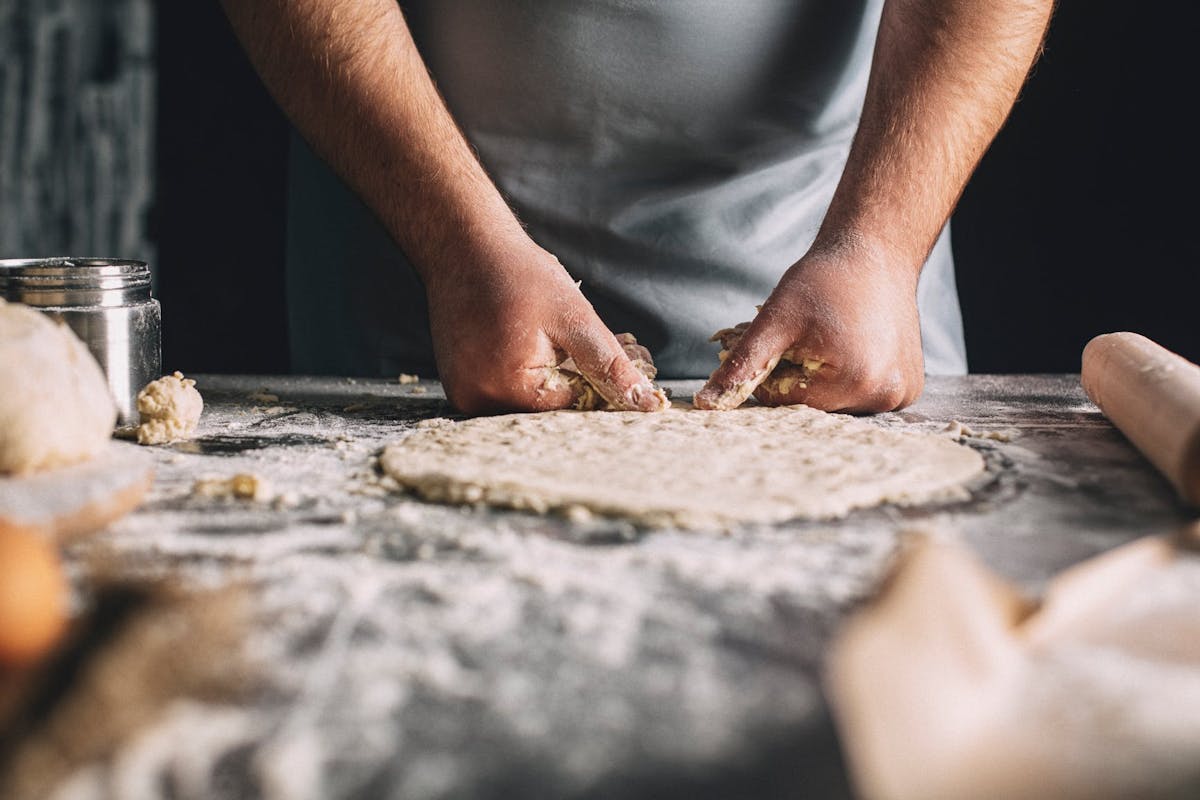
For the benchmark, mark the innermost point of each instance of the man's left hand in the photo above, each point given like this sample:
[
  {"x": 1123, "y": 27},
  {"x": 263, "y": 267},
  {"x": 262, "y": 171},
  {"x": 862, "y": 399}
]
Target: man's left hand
[{"x": 848, "y": 310}]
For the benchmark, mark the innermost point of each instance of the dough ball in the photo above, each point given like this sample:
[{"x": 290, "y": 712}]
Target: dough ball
[
  {"x": 169, "y": 409},
  {"x": 55, "y": 404}
]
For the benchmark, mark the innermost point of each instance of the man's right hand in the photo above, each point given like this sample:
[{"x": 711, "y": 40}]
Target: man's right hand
[
  {"x": 503, "y": 311},
  {"x": 498, "y": 333}
]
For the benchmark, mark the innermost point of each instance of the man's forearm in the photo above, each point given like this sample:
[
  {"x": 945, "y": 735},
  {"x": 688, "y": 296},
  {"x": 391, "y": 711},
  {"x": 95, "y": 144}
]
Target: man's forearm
[
  {"x": 348, "y": 75},
  {"x": 944, "y": 77}
]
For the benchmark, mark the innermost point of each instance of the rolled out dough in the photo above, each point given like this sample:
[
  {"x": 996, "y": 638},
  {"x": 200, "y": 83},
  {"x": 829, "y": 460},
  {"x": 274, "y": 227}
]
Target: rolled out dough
[{"x": 681, "y": 467}]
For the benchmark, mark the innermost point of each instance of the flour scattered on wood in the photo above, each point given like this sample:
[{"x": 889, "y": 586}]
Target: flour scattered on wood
[{"x": 960, "y": 430}]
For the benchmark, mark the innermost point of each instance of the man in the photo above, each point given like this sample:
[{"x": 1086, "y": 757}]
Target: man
[{"x": 679, "y": 158}]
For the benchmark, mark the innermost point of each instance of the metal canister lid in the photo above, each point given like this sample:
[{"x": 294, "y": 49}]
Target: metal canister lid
[{"x": 73, "y": 281}]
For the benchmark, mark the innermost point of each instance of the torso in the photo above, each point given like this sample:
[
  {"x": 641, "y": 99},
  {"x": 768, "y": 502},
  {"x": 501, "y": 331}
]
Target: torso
[{"x": 677, "y": 156}]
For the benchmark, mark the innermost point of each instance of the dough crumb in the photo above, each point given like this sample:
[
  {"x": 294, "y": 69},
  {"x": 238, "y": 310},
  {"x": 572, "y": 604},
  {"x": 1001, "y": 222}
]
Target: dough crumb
[
  {"x": 957, "y": 430},
  {"x": 577, "y": 513},
  {"x": 242, "y": 486},
  {"x": 265, "y": 397},
  {"x": 960, "y": 430},
  {"x": 285, "y": 501},
  {"x": 169, "y": 409},
  {"x": 406, "y": 378}
]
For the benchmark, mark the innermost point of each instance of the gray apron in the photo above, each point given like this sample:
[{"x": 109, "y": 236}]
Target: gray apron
[{"x": 676, "y": 155}]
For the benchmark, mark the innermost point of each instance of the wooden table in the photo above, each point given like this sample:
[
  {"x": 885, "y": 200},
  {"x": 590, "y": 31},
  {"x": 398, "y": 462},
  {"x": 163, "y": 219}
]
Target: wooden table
[{"x": 420, "y": 651}]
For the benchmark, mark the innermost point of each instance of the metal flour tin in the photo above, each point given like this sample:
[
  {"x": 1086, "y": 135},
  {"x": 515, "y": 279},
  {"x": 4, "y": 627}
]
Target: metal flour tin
[{"x": 107, "y": 303}]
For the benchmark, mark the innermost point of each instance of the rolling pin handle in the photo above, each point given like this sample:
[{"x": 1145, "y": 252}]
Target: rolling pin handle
[{"x": 1151, "y": 395}]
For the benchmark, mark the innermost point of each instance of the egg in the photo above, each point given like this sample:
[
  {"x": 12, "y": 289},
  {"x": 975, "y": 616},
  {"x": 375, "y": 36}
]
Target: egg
[{"x": 33, "y": 597}]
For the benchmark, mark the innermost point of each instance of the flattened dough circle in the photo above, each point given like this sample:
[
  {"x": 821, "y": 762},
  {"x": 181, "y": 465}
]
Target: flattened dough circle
[{"x": 684, "y": 468}]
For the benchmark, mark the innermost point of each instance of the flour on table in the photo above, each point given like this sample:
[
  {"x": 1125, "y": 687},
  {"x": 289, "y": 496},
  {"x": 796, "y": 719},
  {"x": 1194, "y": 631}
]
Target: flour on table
[
  {"x": 682, "y": 467},
  {"x": 55, "y": 404},
  {"x": 169, "y": 409}
]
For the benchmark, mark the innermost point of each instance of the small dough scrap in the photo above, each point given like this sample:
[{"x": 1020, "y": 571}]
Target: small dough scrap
[
  {"x": 683, "y": 468},
  {"x": 586, "y": 396},
  {"x": 55, "y": 405},
  {"x": 169, "y": 408},
  {"x": 242, "y": 486},
  {"x": 960, "y": 430}
]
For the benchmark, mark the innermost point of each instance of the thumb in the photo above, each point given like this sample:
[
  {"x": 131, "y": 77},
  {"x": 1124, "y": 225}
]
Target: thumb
[
  {"x": 748, "y": 364},
  {"x": 606, "y": 365}
]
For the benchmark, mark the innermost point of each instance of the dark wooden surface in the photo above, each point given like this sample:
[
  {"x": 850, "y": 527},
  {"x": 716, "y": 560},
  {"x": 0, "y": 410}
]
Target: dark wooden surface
[{"x": 420, "y": 651}]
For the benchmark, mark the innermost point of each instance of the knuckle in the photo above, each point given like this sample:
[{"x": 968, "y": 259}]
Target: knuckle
[
  {"x": 891, "y": 399},
  {"x": 916, "y": 387},
  {"x": 475, "y": 397},
  {"x": 614, "y": 368},
  {"x": 892, "y": 391}
]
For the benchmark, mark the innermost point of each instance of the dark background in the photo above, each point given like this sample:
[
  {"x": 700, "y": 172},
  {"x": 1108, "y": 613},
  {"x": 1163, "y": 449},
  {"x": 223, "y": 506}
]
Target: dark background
[{"x": 1079, "y": 220}]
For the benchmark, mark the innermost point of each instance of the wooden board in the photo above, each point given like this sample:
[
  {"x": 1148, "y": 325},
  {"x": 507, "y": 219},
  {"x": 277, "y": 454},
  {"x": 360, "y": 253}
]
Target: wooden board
[{"x": 79, "y": 499}]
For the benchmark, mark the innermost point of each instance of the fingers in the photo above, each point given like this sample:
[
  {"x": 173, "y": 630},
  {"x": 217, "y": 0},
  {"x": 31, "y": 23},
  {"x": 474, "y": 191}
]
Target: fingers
[
  {"x": 530, "y": 341},
  {"x": 605, "y": 363},
  {"x": 591, "y": 363},
  {"x": 749, "y": 363},
  {"x": 825, "y": 393},
  {"x": 544, "y": 388},
  {"x": 780, "y": 364},
  {"x": 831, "y": 390},
  {"x": 504, "y": 383}
]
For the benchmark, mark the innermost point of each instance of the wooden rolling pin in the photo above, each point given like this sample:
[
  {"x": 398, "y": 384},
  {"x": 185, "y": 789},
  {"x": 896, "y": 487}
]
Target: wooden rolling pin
[{"x": 1153, "y": 397}]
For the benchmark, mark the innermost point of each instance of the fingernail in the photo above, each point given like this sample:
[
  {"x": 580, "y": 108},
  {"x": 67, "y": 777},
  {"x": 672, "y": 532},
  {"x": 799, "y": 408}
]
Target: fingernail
[
  {"x": 714, "y": 399},
  {"x": 645, "y": 397},
  {"x": 704, "y": 398}
]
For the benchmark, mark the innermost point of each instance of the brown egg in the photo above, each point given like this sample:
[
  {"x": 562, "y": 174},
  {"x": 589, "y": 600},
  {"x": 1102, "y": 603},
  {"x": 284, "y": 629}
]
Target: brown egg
[{"x": 33, "y": 597}]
